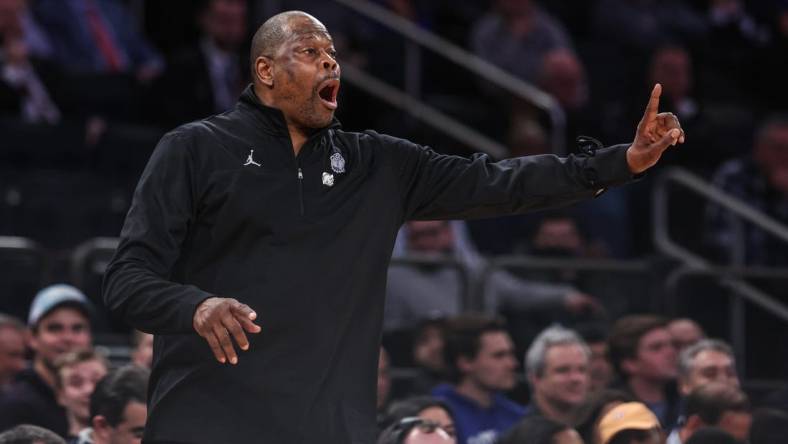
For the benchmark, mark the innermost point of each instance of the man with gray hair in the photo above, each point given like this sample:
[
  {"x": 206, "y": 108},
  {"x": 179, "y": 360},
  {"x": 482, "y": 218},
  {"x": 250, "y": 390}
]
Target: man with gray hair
[
  {"x": 30, "y": 434},
  {"x": 557, "y": 370},
  {"x": 710, "y": 360}
]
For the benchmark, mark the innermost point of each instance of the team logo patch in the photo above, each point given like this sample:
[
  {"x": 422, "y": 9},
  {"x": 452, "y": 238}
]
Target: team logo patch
[
  {"x": 328, "y": 179},
  {"x": 337, "y": 163}
]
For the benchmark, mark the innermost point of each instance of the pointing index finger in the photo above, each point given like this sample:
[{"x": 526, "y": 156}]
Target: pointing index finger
[{"x": 653, "y": 104}]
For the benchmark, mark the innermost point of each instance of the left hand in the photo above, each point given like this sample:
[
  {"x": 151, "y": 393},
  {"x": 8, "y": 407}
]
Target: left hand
[
  {"x": 576, "y": 302},
  {"x": 655, "y": 133}
]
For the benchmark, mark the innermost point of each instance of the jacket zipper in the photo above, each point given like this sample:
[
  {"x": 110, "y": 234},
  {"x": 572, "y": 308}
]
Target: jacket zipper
[{"x": 301, "y": 189}]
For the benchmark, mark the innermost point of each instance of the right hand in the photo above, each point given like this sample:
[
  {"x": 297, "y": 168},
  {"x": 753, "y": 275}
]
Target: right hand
[
  {"x": 577, "y": 303},
  {"x": 217, "y": 318}
]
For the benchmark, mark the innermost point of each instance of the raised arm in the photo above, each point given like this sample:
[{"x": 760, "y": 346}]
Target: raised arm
[{"x": 435, "y": 186}]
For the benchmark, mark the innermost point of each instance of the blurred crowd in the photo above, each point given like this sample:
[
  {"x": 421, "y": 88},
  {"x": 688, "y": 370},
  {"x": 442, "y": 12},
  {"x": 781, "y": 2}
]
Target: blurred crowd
[
  {"x": 87, "y": 87},
  {"x": 643, "y": 379}
]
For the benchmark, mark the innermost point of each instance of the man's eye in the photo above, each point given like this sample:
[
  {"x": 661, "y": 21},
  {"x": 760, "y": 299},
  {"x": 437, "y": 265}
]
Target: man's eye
[{"x": 310, "y": 51}]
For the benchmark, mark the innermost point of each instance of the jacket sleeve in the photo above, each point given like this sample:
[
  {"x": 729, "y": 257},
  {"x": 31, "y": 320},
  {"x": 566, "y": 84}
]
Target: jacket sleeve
[
  {"x": 435, "y": 186},
  {"x": 137, "y": 284}
]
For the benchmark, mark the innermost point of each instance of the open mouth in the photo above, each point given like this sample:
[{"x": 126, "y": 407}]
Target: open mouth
[{"x": 328, "y": 93}]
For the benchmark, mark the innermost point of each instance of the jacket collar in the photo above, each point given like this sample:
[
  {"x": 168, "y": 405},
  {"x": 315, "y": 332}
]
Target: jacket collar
[{"x": 272, "y": 119}]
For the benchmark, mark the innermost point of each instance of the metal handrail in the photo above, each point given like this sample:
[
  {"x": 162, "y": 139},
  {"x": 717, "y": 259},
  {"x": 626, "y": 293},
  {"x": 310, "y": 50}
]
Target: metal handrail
[
  {"x": 742, "y": 290},
  {"x": 17, "y": 243},
  {"x": 82, "y": 253},
  {"x": 423, "y": 112},
  {"x": 467, "y": 60},
  {"x": 712, "y": 193},
  {"x": 531, "y": 263},
  {"x": 596, "y": 264},
  {"x": 665, "y": 244},
  {"x": 761, "y": 299}
]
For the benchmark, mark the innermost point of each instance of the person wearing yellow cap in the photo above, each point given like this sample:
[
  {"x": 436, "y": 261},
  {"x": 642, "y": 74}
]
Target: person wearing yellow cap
[{"x": 629, "y": 423}]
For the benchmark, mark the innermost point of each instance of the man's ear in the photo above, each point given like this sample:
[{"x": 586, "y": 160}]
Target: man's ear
[
  {"x": 684, "y": 386},
  {"x": 533, "y": 379},
  {"x": 629, "y": 365},
  {"x": 59, "y": 397},
  {"x": 694, "y": 423},
  {"x": 101, "y": 427},
  {"x": 264, "y": 70},
  {"x": 464, "y": 364}
]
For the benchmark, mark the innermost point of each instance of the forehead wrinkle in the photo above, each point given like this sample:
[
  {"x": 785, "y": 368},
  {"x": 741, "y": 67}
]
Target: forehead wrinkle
[{"x": 314, "y": 34}]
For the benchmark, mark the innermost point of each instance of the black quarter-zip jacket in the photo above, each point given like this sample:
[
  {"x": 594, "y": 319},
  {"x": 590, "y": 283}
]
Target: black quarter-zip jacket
[{"x": 309, "y": 258}]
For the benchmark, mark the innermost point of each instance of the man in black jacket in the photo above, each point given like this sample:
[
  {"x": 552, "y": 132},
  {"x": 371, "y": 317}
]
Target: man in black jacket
[{"x": 271, "y": 213}]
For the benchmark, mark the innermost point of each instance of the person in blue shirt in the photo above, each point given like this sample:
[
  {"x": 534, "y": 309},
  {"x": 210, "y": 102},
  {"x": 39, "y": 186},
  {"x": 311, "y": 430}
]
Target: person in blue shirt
[{"x": 481, "y": 360}]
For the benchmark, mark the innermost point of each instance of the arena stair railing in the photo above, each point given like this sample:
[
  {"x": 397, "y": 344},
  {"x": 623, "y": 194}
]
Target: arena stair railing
[{"x": 692, "y": 262}]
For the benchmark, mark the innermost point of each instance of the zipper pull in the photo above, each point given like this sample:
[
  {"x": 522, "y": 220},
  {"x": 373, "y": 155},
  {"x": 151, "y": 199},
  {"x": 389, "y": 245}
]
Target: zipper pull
[{"x": 300, "y": 174}]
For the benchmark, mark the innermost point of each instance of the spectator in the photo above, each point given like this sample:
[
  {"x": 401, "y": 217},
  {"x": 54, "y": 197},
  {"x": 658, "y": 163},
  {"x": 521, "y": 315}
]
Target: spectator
[
  {"x": 712, "y": 435},
  {"x": 25, "y": 77},
  {"x": 118, "y": 408},
  {"x": 563, "y": 76},
  {"x": 428, "y": 348},
  {"x": 16, "y": 15},
  {"x": 207, "y": 78},
  {"x": 541, "y": 430},
  {"x": 769, "y": 427},
  {"x": 718, "y": 405},
  {"x": 12, "y": 350},
  {"x": 629, "y": 423},
  {"x": 427, "y": 354},
  {"x": 97, "y": 36},
  {"x": 642, "y": 353},
  {"x": 762, "y": 182},
  {"x": 556, "y": 367},
  {"x": 60, "y": 322},
  {"x": 142, "y": 354},
  {"x": 414, "y": 294},
  {"x": 627, "y": 31},
  {"x": 685, "y": 332},
  {"x": 108, "y": 62},
  {"x": 710, "y": 360},
  {"x": 30, "y": 434},
  {"x": 424, "y": 407},
  {"x": 415, "y": 430},
  {"x": 671, "y": 66},
  {"x": 600, "y": 368},
  {"x": 481, "y": 363},
  {"x": 733, "y": 42},
  {"x": 77, "y": 373},
  {"x": 516, "y": 35},
  {"x": 596, "y": 407}
]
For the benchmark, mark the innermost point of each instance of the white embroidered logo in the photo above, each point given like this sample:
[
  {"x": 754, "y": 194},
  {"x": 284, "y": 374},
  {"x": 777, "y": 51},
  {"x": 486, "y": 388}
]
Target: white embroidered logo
[
  {"x": 337, "y": 163},
  {"x": 250, "y": 160}
]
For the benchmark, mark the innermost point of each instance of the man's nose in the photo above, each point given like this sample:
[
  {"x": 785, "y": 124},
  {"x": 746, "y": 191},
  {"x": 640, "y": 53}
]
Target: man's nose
[{"x": 329, "y": 63}]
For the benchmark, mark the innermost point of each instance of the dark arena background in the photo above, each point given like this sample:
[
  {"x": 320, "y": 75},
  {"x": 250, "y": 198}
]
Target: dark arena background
[{"x": 88, "y": 87}]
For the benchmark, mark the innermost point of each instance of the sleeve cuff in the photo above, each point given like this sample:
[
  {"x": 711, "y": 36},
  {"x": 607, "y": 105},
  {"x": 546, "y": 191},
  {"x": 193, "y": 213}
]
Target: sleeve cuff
[
  {"x": 609, "y": 167},
  {"x": 189, "y": 307}
]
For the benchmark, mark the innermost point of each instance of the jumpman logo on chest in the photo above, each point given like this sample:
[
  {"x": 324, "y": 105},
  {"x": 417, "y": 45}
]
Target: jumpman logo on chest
[{"x": 250, "y": 159}]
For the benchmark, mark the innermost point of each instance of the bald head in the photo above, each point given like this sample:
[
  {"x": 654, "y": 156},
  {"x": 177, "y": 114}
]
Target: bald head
[{"x": 276, "y": 30}]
